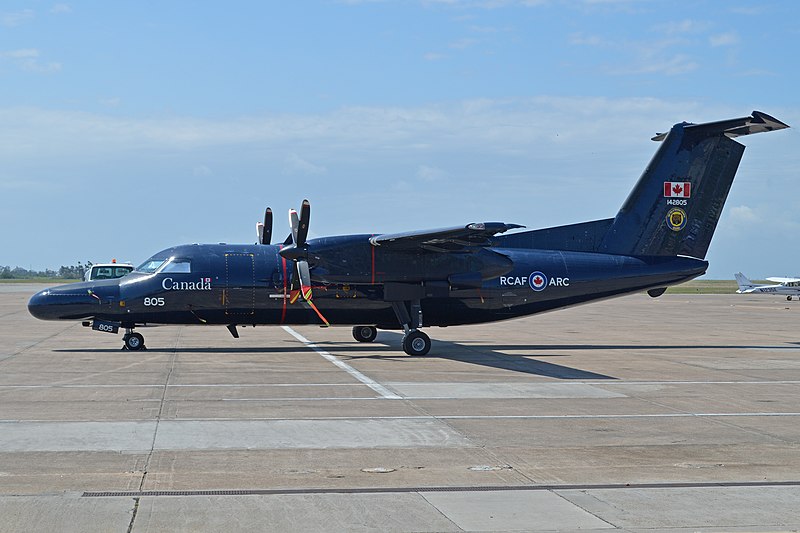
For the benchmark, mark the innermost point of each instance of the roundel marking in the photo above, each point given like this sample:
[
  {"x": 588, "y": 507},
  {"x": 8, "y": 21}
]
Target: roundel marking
[
  {"x": 676, "y": 219},
  {"x": 537, "y": 281}
]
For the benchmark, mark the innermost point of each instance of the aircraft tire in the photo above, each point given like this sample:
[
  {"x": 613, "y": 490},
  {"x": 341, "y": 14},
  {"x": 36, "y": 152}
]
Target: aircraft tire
[
  {"x": 365, "y": 333},
  {"x": 416, "y": 343},
  {"x": 134, "y": 341},
  {"x": 789, "y": 298}
]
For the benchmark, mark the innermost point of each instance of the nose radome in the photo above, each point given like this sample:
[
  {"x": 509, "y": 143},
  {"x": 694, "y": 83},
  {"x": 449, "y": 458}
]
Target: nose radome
[
  {"x": 74, "y": 301},
  {"x": 38, "y": 305}
]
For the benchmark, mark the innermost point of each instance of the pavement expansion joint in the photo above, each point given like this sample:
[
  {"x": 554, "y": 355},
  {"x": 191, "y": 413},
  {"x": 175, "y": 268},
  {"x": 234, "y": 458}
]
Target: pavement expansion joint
[{"x": 474, "y": 488}]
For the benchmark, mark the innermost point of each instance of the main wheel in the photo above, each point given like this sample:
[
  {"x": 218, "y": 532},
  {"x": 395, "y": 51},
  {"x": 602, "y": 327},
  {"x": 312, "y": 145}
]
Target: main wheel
[
  {"x": 365, "y": 333},
  {"x": 133, "y": 341},
  {"x": 789, "y": 298},
  {"x": 416, "y": 343}
]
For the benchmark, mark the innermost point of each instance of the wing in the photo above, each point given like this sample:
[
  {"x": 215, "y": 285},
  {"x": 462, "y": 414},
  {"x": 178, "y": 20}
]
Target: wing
[
  {"x": 458, "y": 238},
  {"x": 783, "y": 280}
]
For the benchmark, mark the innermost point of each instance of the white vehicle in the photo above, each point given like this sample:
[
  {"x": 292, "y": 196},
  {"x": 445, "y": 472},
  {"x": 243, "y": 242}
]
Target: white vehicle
[
  {"x": 110, "y": 270},
  {"x": 787, "y": 286}
]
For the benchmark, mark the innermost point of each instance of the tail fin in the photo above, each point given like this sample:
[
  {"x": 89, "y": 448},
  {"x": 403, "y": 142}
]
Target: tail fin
[
  {"x": 743, "y": 282},
  {"x": 676, "y": 204}
]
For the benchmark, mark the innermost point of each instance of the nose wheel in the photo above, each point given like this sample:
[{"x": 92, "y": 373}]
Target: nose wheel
[{"x": 133, "y": 341}]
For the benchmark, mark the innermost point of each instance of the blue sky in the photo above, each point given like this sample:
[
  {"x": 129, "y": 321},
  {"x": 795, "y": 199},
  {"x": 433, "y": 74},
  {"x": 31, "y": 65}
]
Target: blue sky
[{"x": 127, "y": 127}]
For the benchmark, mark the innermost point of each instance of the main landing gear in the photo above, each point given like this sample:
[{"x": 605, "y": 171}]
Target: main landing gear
[
  {"x": 415, "y": 342},
  {"x": 409, "y": 314},
  {"x": 133, "y": 341}
]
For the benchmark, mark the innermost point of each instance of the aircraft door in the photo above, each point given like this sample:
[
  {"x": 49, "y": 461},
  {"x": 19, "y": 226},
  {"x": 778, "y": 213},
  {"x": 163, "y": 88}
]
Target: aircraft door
[{"x": 240, "y": 284}]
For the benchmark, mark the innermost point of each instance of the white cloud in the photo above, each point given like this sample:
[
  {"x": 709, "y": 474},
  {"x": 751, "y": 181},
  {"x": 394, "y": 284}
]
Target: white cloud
[
  {"x": 671, "y": 66},
  {"x": 17, "y": 18},
  {"x": 23, "y": 53},
  {"x": 202, "y": 171},
  {"x": 111, "y": 102},
  {"x": 433, "y": 56},
  {"x": 28, "y": 59},
  {"x": 744, "y": 215},
  {"x": 60, "y": 8},
  {"x": 430, "y": 174},
  {"x": 484, "y": 124},
  {"x": 462, "y": 44},
  {"x": 41, "y": 68},
  {"x": 580, "y": 39},
  {"x": 294, "y": 164},
  {"x": 683, "y": 26},
  {"x": 724, "y": 39}
]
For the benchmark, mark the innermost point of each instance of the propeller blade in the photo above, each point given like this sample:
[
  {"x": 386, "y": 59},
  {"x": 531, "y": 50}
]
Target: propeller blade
[
  {"x": 260, "y": 232},
  {"x": 266, "y": 234},
  {"x": 305, "y": 279},
  {"x": 302, "y": 230},
  {"x": 294, "y": 223}
]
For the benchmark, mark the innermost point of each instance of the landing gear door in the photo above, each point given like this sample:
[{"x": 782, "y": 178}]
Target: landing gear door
[{"x": 240, "y": 284}]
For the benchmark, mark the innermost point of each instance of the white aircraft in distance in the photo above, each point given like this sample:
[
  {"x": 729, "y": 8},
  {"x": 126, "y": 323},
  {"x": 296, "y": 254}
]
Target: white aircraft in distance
[{"x": 788, "y": 286}]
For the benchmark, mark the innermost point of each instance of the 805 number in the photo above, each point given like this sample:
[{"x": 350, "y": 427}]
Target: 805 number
[{"x": 154, "y": 301}]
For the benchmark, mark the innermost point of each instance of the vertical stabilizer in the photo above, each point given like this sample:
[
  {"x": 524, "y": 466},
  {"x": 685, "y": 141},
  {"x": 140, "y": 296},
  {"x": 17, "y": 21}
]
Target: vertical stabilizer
[
  {"x": 743, "y": 282},
  {"x": 676, "y": 204}
]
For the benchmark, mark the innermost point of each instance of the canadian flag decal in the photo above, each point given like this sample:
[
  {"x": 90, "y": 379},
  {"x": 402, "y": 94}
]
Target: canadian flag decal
[{"x": 677, "y": 189}]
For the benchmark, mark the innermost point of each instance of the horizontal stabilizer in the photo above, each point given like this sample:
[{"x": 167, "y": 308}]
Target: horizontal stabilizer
[{"x": 758, "y": 122}]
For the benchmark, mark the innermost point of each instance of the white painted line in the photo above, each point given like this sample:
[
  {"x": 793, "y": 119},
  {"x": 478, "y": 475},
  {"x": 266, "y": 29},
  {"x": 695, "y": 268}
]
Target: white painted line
[
  {"x": 315, "y": 399},
  {"x": 371, "y": 383},
  {"x": 244, "y": 385},
  {"x": 173, "y": 385},
  {"x": 420, "y": 417}
]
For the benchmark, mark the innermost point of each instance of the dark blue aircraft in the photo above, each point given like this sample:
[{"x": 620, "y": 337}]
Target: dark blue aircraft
[{"x": 452, "y": 276}]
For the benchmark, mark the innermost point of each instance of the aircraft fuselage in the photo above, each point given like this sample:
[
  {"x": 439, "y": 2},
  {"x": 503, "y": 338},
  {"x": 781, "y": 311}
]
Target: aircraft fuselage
[{"x": 249, "y": 284}]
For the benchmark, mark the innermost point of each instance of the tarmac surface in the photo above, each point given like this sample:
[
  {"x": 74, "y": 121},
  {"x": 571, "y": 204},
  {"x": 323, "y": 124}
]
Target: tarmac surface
[{"x": 672, "y": 414}]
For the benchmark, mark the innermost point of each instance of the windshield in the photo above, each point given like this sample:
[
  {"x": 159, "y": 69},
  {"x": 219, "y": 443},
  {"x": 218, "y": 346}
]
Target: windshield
[
  {"x": 109, "y": 272},
  {"x": 151, "y": 265},
  {"x": 177, "y": 266}
]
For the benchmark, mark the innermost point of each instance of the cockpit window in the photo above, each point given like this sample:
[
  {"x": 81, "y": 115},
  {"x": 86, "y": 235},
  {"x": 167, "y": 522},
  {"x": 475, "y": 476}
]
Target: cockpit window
[
  {"x": 109, "y": 272},
  {"x": 177, "y": 266},
  {"x": 151, "y": 265}
]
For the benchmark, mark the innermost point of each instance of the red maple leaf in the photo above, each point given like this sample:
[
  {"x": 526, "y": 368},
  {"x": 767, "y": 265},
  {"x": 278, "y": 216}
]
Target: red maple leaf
[
  {"x": 677, "y": 189},
  {"x": 537, "y": 280}
]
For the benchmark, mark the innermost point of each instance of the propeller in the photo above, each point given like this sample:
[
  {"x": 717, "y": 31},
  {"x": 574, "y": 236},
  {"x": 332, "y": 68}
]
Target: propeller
[
  {"x": 264, "y": 230},
  {"x": 297, "y": 251}
]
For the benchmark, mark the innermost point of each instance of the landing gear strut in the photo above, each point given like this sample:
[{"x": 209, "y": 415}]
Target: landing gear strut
[
  {"x": 133, "y": 341},
  {"x": 365, "y": 333},
  {"x": 415, "y": 342}
]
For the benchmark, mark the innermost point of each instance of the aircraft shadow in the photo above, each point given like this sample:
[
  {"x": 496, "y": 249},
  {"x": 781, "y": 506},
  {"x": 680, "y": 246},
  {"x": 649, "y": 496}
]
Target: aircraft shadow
[
  {"x": 488, "y": 356},
  {"x": 644, "y": 347}
]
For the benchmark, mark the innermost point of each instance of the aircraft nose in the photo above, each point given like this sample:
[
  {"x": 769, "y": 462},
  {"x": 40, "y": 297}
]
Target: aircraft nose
[
  {"x": 73, "y": 301},
  {"x": 41, "y": 305}
]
